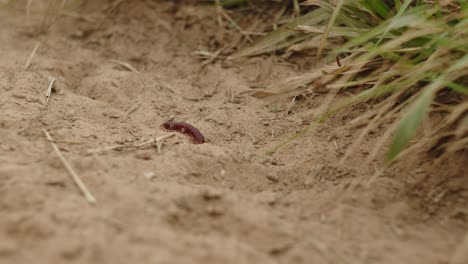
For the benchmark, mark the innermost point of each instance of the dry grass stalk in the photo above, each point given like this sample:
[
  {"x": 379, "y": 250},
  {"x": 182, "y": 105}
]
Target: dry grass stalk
[
  {"x": 291, "y": 104},
  {"x": 381, "y": 142},
  {"x": 49, "y": 89},
  {"x": 330, "y": 23},
  {"x": 219, "y": 9},
  {"x": 31, "y": 56},
  {"x": 67, "y": 141},
  {"x": 28, "y": 9},
  {"x": 214, "y": 56},
  {"x": 160, "y": 140},
  {"x": 374, "y": 122},
  {"x": 88, "y": 196},
  {"x": 157, "y": 141},
  {"x": 88, "y": 18}
]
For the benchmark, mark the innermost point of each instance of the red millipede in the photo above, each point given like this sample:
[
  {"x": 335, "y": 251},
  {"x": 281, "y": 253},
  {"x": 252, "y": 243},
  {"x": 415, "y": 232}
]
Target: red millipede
[{"x": 184, "y": 128}]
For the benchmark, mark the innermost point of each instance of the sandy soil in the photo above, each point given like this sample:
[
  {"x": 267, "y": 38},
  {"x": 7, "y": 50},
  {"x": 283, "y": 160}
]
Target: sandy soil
[{"x": 224, "y": 201}]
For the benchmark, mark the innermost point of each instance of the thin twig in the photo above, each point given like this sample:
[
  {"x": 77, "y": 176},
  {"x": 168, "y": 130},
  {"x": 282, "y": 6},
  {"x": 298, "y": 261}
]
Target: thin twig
[
  {"x": 374, "y": 121},
  {"x": 49, "y": 89},
  {"x": 67, "y": 141},
  {"x": 253, "y": 33},
  {"x": 161, "y": 139},
  {"x": 291, "y": 104},
  {"x": 28, "y": 9},
  {"x": 158, "y": 141},
  {"x": 214, "y": 56},
  {"x": 338, "y": 61},
  {"x": 89, "y": 197},
  {"x": 330, "y": 23},
  {"x": 31, "y": 56},
  {"x": 219, "y": 8},
  {"x": 297, "y": 8}
]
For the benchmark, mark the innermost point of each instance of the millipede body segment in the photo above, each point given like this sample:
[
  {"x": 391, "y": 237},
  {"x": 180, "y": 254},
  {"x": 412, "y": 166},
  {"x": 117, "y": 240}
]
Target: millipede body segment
[{"x": 184, "y": 128}]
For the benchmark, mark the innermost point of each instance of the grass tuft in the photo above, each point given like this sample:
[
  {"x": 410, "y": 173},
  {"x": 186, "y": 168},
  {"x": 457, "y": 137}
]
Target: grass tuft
[{"x": 417, "y": 49}]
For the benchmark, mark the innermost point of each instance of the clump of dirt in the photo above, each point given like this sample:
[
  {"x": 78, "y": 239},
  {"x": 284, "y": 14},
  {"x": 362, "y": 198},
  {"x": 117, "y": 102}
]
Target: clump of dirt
[{"x": 122, "y": 68}]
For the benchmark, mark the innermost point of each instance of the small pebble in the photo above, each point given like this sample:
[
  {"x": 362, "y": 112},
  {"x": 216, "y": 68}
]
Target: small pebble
[
  {"x": 149, "y": 175},
  {"x": 214, "y": 210},
  {"x": 267, "y": 197},
  {"x": 212, "y": 194},
  {"x": 144, "y": 155},
  {"x": 273, "y": 178},
  {"x": 111, "y": 114}
]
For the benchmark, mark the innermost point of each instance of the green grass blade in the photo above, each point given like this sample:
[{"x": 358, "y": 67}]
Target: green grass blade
[
  {"x": 396, "y": 17},
  {"x": 458, "y": 88},
  {"x": 410, "y": 123},
  {"x": 331, "y": 21},
  {"x": 232, "y": 3},
  {"x": 378, "y": 6}
]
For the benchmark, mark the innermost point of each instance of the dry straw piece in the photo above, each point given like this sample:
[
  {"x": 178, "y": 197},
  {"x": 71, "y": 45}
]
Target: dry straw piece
[
  {"x": 28, "y": 9},
  {"x": 31, "y": 56},
  {"x": 158, "y": 141},
  {"x": 88, "y": 196},
  {"x": 49, "y": 88}
]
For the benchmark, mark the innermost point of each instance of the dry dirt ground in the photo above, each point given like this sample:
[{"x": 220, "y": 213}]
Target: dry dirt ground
[{"x": 224, "y": 201}]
